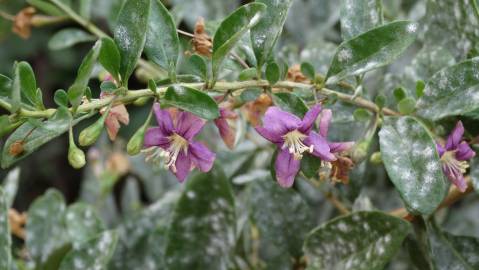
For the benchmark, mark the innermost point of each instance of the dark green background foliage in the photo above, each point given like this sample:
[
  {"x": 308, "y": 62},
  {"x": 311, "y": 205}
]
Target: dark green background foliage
[{"x": 415, "y": 57}]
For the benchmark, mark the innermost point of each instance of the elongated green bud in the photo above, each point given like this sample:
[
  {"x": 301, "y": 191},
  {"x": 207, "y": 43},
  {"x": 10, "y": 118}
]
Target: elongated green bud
[
  {"x": 136, "y": 141},
  {"x": 376, "y": 158},
  {"x": 76, "y": 157},
  {"x": 89, "y": 135}
]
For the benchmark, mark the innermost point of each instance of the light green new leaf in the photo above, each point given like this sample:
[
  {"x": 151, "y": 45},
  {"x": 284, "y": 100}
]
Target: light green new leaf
[
  {"x": 360, "y": 241},
  {"x": 358, "y": 17},
  {"x": 68, "y": 37},
  {"x": 96, "y": 253},
  {"x": 192, "y": 100},
  {"x": 162, "y": 42},
  {"x": 28, "y": 84},
  {"x": 409, "y": 154},
  {"x": 5, "y": 238},
  {"x": 110, "y": 57},
  {"x": 231, "y": 30},
  {"x": 452, "y": 91},
  {"x": 202, "y": 231},
  {"x": 267, "y": 31},
  {"x": 373, "y": 49},
  {"x": 130, "y": 34}
]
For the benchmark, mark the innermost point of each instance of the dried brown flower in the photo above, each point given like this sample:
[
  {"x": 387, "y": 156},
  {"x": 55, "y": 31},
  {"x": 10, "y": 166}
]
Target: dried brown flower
[
  {"x": 295, "y": 74},
  {"x": 254, "y": 110},
  {"x": 23, "y": 21},
  {"x": 202, "y": 43},
  {"x": 17, "y": 223},
  {"x": 340, "y": 169}
]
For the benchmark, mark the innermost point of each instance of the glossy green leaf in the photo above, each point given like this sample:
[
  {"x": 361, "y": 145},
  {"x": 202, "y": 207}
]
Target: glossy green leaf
[
  {"x": 310, "y": 165},
  {"x": 407, "y": 105},
  {"x": 45, "y": 232},
  {"x": 291, "y": 103},
  {"x": 10, "y": 185},
  {"x": 308, "y": 70},
  {"x": 61, "y": 98},
  {"x": 197, "y": 65},
  {"x": 373, "y": 49},
  {"x": 69, "y": 37},
  {"x": 93, "y": 254},
  {"x": 130, "y": 34},
  {"x": 162, "y": 42},
  {"x": 358, "y": 17},
  {"x": 202, "y": 231},
  {"x": 5, "y": 238},
  {"x": 267, "y": 31},
  {"x": 77, "y": 90},
  {"x": 231, "y": 30},
  {"x": 82, "y": 222},
  {"x": 360, "y": 241},
  {"x": 409, "y": 154},
  {"x": 28, "y": 85},
  {"x": 282, "y": 218},
  {"x": 452, "y": 91},
  {"x": 192, "y": 100},
  {"x": 272, "y": 73},
  {"x": 109, "y": 57}
]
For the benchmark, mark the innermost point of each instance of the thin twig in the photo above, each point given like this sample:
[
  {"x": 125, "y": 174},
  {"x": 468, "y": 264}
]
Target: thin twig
[
  {"x": 337, "y": 203},
  {"x": 7, "y": 16}
]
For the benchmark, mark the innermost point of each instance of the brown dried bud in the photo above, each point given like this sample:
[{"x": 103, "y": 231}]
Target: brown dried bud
[
  {"x": 254, "y": 110},
  {"x": 202, "y": 43},
  {"x": 17, "y": 223},
  {"x": 23, "y": 21},
  {"x": 340, "y": 169},
  {"x": 16, "y": 148},
  {"x": 295, "y": 74}
]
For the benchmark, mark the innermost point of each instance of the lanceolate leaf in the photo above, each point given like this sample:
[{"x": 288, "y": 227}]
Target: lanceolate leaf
[
  {"x": 360, "y": 241},
  {"x": 451, "y": 91},
  {"x": 162, "y": 42},
  {"x": 291, "y": 103},
  {"x": 68, "y": 37},
  {"x": 110, "y": 57},
  {"x": 28, "y": 84},
  {"x": 358, "y": 17},
  {"x": 16, "y": 92},
  {"x": 192, "y": 100},
  {"x": 202, "y": 231},
  {"x": 412, "y": 162},
  {"x": 5, "y": 238},
  {"x": 5, "y": 86},
  {"x": 231, "y": 30},
  {"x": 265, "y": 34},
  {"x": 373, "y": 49},
  {"x": 130, "y": 34}
]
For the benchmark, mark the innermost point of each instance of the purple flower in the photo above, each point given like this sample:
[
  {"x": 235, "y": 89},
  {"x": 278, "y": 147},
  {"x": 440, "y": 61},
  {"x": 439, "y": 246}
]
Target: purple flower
[
  {"x": 294, "y": 137},
  {"x": 454, "y": 156},
  {"x": 173, "y": 140},
  {"x": 227, "y": 132}
]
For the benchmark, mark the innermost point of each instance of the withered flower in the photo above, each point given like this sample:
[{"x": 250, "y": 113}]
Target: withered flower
[
  {"x": 295, "y": 74},
  {"x": 23, "y": 21},
  {"x": 202, "y": 43}
]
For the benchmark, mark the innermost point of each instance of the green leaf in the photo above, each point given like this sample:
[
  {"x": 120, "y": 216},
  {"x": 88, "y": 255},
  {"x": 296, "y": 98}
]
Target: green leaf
[
  {"x": 16, "y": 92},
  {"x": 360, "y": 241},
  {"x": 373, "y": 49},
  {"x": 407, "y": 105},
  {"x": 358, "y": 17},
  {"x": 452, "y": 91},
  {"x": 110, "y": 58},
  {"x": 5, "y": 86},
  {"x": 250, "y": 94},
  {"x": 45, "y": 230},
  {"x": 202, "y": 231},
  {"x": 96, "y": 253},
  {"x": 68, "y": 37},
  {"x": 162, "y": 42},
  {"x": 231, "y": 30},
  {"x": 5, "y": 238},
  {"x": 272, "y": 73},
  {"x": 291, "y": 103},
  {"x": 10, "y": 185},
  {"x": 192, "y": 100},
  {"x": 282, "y": 217},
  {"x": 46, "y": 7},
  {"x": 399, "y": 94},
  {"x": 247, "y": 74},
  {"x": 77, "y": 90},
  {"x": 61, "y": 98},
  {"x": 82, "y": 222},
  {"x": 130, "y": 34},
  {"x": 7, "y": 126},
  {"x": 308, "y": 70},
  {"x": 197, "y": 65},
  {"x": 267, "y": 31},
  {"x": 84, "y": 8},
  {"x": 409, "y": 154},
  {"x": 28, "y": 85},
  {"x": 310, "y": 165},
  {"x": 361, "y": 115}
]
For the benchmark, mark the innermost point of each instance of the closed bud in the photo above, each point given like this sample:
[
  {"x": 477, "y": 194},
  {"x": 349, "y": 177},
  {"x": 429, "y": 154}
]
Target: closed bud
[
  {"x": 76, "y": 157},
  {"x": 136, "y": 142},
  {"x": 360, "y": 151},
  {"x": 376, "y": 158},
  {"x": 89, "y": 135}
]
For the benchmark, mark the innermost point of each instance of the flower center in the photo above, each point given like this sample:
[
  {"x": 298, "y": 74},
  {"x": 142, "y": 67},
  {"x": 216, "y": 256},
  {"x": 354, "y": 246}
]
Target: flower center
[
  {"x": 449, "y": 160},
  {"x": 294, "y": 142},
  {"x": 177, "y": 144}
]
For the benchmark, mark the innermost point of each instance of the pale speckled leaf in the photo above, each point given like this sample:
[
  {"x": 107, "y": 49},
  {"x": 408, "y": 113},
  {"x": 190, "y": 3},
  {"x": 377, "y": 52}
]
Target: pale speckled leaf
[
  {"x": 475, "y": 173},
  {"x": 409, "y": 154},
  {"x": 230, "y": 31},
  {"x": 93, "y": 254},
  {"x": 82, "y": 222},
  {"x": 162, "y": 42},
  {"x": 10, "y": 185},
  {"x": 45, "y": 231},
  {"x": 5, "y": 238},
  {"x": 202, "y": 231},
  {"x": 68, "y": 37},
  {"x": 452, "y": 91},
  {"x": 372, "y": 49},
  {"x": 267, "y": 31},
  {"x": 360, "y": 241},
  {"x": 358, "y": 17},
  {"x": 130, "y": 34}
]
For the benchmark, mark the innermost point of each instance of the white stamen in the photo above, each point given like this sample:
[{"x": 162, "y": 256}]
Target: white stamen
[
  {"x": 294, "y": 142},
  {"x": 169, "y": 156},
  {"x": 449, "y": 160}
]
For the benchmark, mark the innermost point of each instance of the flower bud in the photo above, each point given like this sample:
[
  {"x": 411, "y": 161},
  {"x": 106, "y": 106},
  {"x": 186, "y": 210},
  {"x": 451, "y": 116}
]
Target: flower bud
[
  {"x": 136, "y": 142},
  {"x": 360, "y": 151},
  {"x": 76, "y": 157},
  {"x": 376, "y": 158},
  {"x": 89, "y": 135}
]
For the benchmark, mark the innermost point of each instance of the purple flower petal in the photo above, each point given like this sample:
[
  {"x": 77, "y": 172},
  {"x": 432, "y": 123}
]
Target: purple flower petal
[
  {"x": 440, "y": 149},
  {"x": 183, "y": 166},
  {"x": 201, "y": 156},
  {"x": 309, "y": 118},
  {"x": 340, "y": 146},
  {"x": 155, "y": 137},
  {"x": 456, "y": 178},
  {"x": 188, "y": 125},
  {"x": 464, "y": 152},
  {"x": 279, "y": 122},
  {"x": 324, "y": 122},
  {"x": 455, "y": 137},
  {"x": 321, "y": 147},
  {"x": 270, "y": 136},
  {"x": 165, "y": 123},
  {"x": 286, "y": 168},
  {"x": 226, "y": 132}
]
